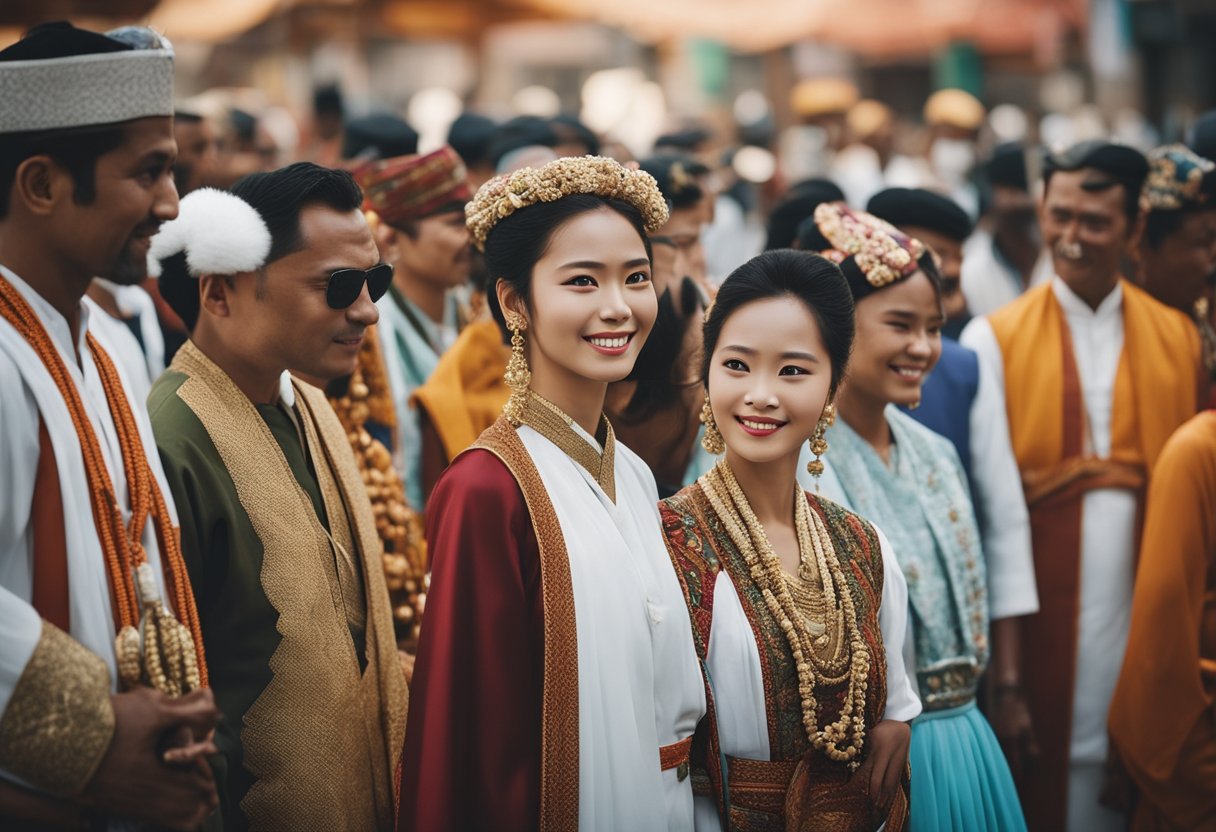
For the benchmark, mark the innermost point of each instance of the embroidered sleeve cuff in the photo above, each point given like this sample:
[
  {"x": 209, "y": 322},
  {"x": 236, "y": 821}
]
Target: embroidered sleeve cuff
[{"x": 59, "y": 720}]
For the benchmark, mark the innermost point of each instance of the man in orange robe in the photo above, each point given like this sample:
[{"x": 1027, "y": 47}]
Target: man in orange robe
[
  {"x": 1097, "y": 375},
  {"x": 1162, "y": 717}
]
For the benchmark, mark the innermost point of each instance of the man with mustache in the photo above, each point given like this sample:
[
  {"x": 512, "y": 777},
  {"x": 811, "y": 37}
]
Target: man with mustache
[
  {"x": 93, "y": 733},
  {"x": 419, "y": 200},
  {"x": 277, "y": 529},
  {"x": 1096, "y": 376}
]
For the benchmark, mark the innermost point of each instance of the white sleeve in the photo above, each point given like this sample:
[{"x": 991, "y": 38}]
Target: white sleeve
[
  {"x": 20, "y": 624},
  {"x": 1000, "y": 503},
  {"x": 902, "y": 702},
  {"x": 20, "y": 629}
]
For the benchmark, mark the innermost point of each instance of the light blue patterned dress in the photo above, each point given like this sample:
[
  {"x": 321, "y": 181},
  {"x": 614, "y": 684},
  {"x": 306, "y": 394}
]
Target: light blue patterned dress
[{"x": 960, "y": 780}]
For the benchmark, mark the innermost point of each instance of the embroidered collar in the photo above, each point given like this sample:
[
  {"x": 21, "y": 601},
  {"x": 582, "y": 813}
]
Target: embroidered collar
[{"x": 547, "y": 419}]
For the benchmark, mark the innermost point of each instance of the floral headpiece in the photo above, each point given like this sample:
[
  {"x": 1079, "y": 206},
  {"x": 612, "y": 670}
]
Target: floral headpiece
[
  {"x": 1175, "y": 178},
  {"x": 883, "y": 253},
  {"x": 504, "y": 195}
]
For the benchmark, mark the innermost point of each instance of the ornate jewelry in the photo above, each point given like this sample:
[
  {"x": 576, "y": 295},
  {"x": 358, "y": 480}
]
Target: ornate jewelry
[
  {"x": 711, "y": 440},
  {"x": 504, "y": 195},
  {"x": 882, "y": 252},
  {"x": 824, "y": 636},
  {"x": 517, "y": 376},
  {"x": 819, "y": 445}
]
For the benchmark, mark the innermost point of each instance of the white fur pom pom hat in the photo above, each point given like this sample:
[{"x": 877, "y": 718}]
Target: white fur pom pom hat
[{"x": 219, "y": 232}]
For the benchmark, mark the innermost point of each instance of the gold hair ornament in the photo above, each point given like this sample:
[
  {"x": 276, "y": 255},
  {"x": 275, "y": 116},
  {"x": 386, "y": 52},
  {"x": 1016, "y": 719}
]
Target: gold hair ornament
[{"x": 597, "y": 175}]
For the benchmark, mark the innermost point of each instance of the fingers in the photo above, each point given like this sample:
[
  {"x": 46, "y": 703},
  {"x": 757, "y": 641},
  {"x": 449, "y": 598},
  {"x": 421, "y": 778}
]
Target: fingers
[
  {"x": 186, "y": 754},
  {"x": 196, "y": 710}
]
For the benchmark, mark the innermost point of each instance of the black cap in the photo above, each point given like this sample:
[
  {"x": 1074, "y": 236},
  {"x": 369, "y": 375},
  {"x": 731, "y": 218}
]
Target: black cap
[
  {"x": 920, "y": 208},
  {"x": 379, "y": 136},
  {"x": 470, "y": 136},
  {"x": 799, "y": 204},
  {"x": 1007, "y": 167}
]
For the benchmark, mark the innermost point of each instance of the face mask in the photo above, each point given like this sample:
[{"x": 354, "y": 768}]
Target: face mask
[{"x": 952, "y": 158}]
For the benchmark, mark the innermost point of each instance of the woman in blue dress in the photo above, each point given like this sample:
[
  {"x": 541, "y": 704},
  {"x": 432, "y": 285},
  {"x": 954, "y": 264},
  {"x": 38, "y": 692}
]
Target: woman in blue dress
[{"x": 909, "y": 481}]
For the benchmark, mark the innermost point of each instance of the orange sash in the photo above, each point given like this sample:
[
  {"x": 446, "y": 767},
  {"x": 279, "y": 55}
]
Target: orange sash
[{"x": 1155, "y": 391}]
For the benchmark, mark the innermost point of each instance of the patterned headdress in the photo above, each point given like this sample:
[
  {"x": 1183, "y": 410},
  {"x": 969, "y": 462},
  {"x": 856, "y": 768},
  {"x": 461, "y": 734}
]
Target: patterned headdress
[
  {"x": 597, "y": 175},
  {"x": 1175, "y": 178},
  {"x": 59, "y": 77},
  {"x": 882, "y": 253},
  {"x": 413, "y": 187}
]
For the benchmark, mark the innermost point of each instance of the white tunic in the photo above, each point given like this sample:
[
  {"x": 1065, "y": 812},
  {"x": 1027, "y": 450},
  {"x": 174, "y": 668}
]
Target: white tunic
[
  {"x": 988, "y": 280},
  {"x": 29, "y": 393},
  {"x": 734, "y": 666},
  {"x": 1108, "y": 515},
  {"x": 639, "y": 681}
]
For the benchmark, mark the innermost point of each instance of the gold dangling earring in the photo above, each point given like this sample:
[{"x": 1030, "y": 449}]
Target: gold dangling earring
[
  {"x": 711, "y": 440},
  {"x": 517, "y": 376},
  {"x": 819, "y": 445}
]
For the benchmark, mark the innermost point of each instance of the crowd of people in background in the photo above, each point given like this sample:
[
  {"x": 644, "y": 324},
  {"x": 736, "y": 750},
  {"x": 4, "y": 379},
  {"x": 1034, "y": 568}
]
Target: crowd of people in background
[{"x": 880, "y": 494}]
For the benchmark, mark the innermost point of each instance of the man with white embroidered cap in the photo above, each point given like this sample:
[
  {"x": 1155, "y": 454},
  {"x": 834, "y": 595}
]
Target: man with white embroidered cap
[
  {"x": 278, "y": 532},
  {"x": 100, "y": 652}
]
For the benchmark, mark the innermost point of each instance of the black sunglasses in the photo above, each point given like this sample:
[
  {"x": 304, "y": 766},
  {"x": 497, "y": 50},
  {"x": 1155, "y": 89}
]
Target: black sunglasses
[{"x": 346, "y": 284}]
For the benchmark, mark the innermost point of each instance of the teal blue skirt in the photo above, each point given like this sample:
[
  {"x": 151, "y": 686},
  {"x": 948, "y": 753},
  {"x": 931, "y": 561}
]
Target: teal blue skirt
[{"x": 960, "y": 780}]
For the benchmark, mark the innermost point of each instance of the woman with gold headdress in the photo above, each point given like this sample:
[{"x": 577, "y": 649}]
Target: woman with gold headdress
[
  {"x": 556, "y": 686},
  {"x": 908, "y": 480},
  {"x": 791, "y": 595}
]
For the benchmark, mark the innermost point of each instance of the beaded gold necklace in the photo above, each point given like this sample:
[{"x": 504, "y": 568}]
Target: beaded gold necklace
[{"x": 820, "y": 653}]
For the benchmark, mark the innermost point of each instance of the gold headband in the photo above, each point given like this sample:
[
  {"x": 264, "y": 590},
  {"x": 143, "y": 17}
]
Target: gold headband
[{"x": 597, "y": 175}]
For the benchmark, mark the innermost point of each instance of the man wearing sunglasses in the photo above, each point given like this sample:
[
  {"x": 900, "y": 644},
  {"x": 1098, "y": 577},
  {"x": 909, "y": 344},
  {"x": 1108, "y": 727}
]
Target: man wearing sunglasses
[
  {"x": 419, "y": 201},
  {"x": 277, "y": 530}
]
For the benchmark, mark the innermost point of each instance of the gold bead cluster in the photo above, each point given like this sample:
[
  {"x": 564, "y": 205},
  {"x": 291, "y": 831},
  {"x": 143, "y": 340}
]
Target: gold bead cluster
[
  {"x": 398, "y": 526},
  {"x": 161, "y": 653},
  {"x": 817, "y": 635},
  {"x": 882, "y": 252},
  {"x": 598, "y": 175}
]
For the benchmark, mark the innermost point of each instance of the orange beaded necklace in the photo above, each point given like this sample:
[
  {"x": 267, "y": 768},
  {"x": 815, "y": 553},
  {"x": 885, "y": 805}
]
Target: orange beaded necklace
[{"x": 124, "y": 553}]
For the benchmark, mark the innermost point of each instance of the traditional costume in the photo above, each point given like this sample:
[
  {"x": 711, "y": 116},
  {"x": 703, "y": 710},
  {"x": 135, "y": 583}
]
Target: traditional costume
[
  {"x": 1162, "y": 717},
  {"x": 1091, "y": 397},
  {"x": 963, "y": 403},
  {"x": 761, "y": 769},
  {"x": 282, "y": 547},
  {"x": 557, "y": 687},
  {"x": 921, "y": 501},
  {"x": 402, "y": 190},
  {"x": 91, "y": 575}
]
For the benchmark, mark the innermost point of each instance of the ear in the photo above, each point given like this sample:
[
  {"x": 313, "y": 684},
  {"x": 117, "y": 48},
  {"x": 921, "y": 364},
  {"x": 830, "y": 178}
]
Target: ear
[
  {"x": 386, "y": 241},
  {"x": 40, "y": 184},
  {"x": 510, "y": 300},
  {"x": 214, "y": 294}
]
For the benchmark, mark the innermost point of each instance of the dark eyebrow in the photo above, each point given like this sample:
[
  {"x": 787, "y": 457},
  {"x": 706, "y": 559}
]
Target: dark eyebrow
[
  {"x": 805, "y": 356},
  {"x": 902, "y": 313},
  {"x": 595, "y": 264},
  {"x": 158, "y": 157}
]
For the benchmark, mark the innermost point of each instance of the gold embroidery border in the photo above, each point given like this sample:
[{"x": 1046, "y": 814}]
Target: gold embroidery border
[
  {"x": 559, "y": 714},
  {"x": 311, "y": 769},
  {"x": 58, "y": 723},
  {"x": 547, "y": 419}
]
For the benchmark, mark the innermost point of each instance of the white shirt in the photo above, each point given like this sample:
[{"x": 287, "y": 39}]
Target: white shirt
[
  {"x": 30, "y": 395},
  {"x": 1108, "y": 515}
]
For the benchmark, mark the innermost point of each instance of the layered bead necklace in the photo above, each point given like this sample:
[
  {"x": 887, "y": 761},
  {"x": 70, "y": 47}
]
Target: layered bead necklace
[{"x": 823, "y": 633}]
